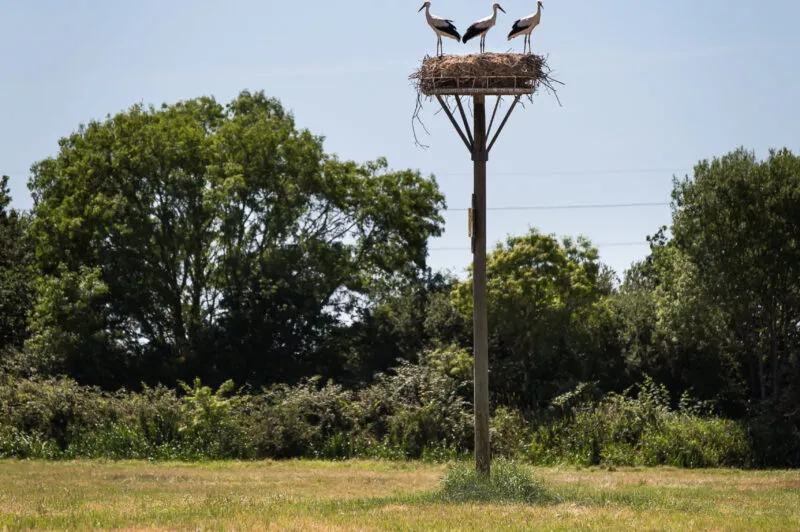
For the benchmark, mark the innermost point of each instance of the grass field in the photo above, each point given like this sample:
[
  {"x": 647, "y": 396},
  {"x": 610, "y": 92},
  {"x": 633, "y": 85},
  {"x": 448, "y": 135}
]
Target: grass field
[{"x": 380, "y": 495}]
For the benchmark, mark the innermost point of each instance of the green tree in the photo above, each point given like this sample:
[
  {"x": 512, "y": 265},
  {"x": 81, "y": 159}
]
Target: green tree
[
  {"x": 549, "y": 320},
  {"x": 738, "y": 223},
  {"x": 403, "y": 323},
  {"x": 17, "y": 273},
  {"x": 670, "y": 329},
  {"x": 226, "y": 241}
]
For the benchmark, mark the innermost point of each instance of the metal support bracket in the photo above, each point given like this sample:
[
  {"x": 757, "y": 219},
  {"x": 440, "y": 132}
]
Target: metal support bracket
[
  {"x": 503, "y": 123},
  {"x": 466, "y": 133},
  {"x": 467, "y": 141}
]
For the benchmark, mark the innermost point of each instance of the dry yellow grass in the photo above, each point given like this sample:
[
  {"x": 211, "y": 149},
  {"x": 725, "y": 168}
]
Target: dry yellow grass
[{"x": 379, "y": 495}]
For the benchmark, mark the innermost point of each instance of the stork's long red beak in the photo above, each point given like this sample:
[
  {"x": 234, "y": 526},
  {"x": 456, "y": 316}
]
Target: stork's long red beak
[{"x": 420, "y": 9}]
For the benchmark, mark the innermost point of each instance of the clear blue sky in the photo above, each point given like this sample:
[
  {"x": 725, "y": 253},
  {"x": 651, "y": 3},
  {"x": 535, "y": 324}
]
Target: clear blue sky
[{"x": 651, "y": 88}]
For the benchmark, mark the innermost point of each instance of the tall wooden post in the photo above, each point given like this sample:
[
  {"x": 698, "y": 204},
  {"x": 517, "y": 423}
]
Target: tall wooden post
[
  {"x": 478, "y": 143},
  {"x": 480, "y": 155}
]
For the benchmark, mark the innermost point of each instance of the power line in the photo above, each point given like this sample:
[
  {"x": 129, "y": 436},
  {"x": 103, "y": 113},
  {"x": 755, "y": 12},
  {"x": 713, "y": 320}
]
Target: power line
[
  {"x": 563, "y": 207},
  {"x": 578, "y": 172},
  {"x": 599, "y": 245},
  {"x": 528, "y": 174}
]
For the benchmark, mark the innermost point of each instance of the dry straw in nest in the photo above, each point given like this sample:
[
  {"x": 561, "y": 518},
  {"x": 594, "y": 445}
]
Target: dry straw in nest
[
  {"x": 482, "y": 71},
  {"x": 488, "y": 73}
]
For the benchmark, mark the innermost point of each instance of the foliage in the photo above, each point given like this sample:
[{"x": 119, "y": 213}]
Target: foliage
[
  {"x": 221, "y": 242},
  {"x": 287, "y": 421},
  {"x": 509, "y": 433},
  {"x": 401, "y": 323},
  {"x": 17, "y": 274},
  {"x": 737, "y": 222},
  {"x": 225, "y": 241},
  {"x": 644, "y": 429},
  {"x": 414, "y": 412},
  {"x": 414, "y": 407},
  {"x": 548, "y": 320}
]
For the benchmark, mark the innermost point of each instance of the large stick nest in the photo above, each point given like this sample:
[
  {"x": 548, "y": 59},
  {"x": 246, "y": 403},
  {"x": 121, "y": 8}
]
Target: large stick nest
[
  {"x": 445, "y": 77},
  {"x": 482, "y": 71}
]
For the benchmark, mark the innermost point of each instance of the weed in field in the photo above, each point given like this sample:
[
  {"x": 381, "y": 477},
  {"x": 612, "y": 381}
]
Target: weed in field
[{"x": 508, "y": 482}]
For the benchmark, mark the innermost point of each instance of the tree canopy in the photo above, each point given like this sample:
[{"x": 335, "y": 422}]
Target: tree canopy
[
  {"x": 202, "y": 238},
  {"x": 547, "y": 317},
  {"x": 17, "y": 272},
  {"x": 738, "y": 223}
]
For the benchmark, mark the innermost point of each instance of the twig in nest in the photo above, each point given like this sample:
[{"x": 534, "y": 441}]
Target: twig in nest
[
  {"x": 416, "y": 118},
  {"x": 524, "y": 72}
]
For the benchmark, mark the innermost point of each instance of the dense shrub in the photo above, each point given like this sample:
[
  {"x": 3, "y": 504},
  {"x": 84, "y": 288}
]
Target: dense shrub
[
  {"x": 625, "y": 430},
  {"x": 776, "y": 440},
  {"x": 414, "y": 411},
  {"x": 53, "y": 410},
  {"x": 688, "y": 441},
  {"x": 286, "y": 421},
  {"x": 414, "y": 407}
]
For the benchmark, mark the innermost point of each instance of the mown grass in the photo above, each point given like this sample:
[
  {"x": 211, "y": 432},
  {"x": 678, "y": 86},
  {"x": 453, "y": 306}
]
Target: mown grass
[{"x": 359, "y": 495}]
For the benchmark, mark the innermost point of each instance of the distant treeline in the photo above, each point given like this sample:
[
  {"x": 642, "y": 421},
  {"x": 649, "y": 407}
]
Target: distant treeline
[{"x": 220, "y": 242}]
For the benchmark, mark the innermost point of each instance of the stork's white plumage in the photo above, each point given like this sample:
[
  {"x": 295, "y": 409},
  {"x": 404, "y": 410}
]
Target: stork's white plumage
[
  {"x": 441, "y": 26},
  {"x": 483, "y": 26},
  {"x": 524, "y": 26}
]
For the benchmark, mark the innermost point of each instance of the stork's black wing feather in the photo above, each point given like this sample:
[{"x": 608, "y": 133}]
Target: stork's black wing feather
[
  {"x": 517, "y": 27},
  {"x": 472, "y": 31},
  {"x": 450, "y": 29}
]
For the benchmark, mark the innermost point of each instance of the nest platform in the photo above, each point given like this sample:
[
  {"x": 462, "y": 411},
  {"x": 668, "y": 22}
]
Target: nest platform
[{"x": 490, "y": 74}]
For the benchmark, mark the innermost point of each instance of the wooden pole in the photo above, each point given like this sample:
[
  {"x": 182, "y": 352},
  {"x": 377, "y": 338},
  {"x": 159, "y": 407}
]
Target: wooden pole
[{"x": 480, "y": 321}]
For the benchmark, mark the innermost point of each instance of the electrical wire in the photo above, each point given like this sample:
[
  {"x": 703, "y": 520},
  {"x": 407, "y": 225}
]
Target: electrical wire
[{"x": 562, "y": 207}]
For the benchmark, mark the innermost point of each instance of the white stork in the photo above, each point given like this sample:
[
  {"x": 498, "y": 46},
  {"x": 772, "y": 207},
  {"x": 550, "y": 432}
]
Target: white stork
[
  {"x": 441, "y": 26},
  {"x": 524, "y": 26},
  {"x": 483, "y": 26}
]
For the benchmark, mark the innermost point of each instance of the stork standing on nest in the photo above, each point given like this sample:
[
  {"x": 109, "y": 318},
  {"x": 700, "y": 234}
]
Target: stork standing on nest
[
  {"x": 483, "y": 26},
  {"x": 441, "y": 26},
  {"x": 524, "y": 26}
]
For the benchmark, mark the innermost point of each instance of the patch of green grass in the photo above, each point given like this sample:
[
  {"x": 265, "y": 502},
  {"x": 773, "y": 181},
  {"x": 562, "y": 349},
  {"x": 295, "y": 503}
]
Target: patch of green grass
[{"x": 508, "y": 482}]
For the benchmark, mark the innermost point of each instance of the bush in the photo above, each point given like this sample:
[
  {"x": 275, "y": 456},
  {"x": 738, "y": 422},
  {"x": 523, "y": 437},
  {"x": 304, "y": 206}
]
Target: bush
[
  {"x": 688, "y": 441},
  {"x": 415, "y": 411},
  {"x": 776, "y": 440},
  {"x": 116, "y": 441},
  {"x": 53, "y": 410},
  {"x": 17, "y": 444},
  {"x": 289, "y": 421},
  {"x": 510, "y": 433},
  {"x": 641, "y": 430},
  {"x": 414, "y": 408}
]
